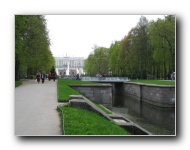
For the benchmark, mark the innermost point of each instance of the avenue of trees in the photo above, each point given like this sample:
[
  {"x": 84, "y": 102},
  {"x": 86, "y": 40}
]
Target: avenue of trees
[
  {"x": 147, "y": 51},
  {"x": 32, "y": 46}
]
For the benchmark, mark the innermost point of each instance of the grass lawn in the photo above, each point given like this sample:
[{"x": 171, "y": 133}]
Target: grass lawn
[
  {"x": 64, "y": 90},
  {"x": 66, "y": 81},
  {"x": 84, "y": 122},
  {"x": 102, "y": 108},
  {"x": 157, "y": 82},
  {"x": 18, "y": 83}
]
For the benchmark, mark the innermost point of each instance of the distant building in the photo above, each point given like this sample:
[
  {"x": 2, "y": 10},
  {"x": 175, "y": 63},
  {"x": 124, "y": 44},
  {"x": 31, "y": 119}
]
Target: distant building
[{"x": 69, "y": 66}]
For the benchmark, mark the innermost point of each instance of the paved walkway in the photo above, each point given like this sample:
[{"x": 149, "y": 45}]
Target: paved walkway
[{"x": 35, "y": 109}]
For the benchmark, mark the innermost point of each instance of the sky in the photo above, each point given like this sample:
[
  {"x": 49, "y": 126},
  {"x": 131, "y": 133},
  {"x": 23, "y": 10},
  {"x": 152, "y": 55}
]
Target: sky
[{"x": 76, "y": 35}]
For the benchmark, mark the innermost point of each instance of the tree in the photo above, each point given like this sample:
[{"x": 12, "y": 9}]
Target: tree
[
  {"x": 32, "y": 52},
  {"x": 97, "y": 62},
  {"x": 114, "y": 58},
  {"x": 162, "y": 35},
  {"x": 126, "y": 55},
  {"x": 135, "y": 52},
  {"x": 148, "y": 50},
  {"x": 20, "y": 22}
]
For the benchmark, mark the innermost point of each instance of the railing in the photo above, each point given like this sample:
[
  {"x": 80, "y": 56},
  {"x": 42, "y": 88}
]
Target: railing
[{"x": 111, "y": 79}]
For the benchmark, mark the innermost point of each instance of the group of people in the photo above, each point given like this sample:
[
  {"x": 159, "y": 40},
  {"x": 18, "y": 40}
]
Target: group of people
[
  {"x": 52, "y": 76},
  {"x": 41, "y": 76},
  {"x": 100, "y": 76}
]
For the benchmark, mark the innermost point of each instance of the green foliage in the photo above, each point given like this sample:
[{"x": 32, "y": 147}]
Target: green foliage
[
  {"x": 162, "y": 36},
  {"x": 52, "y": 69},
  {"x": 102, "y": 108},
  {"x": 114, "y": 61},
  {"x": 97, "y": 62},
  {"x": 18, "y": 83},
  {"x": 84, "y": 122},
  {"x": 32, "y": 52},
  {"x": 147, "y": 50},
  {"x": 64, "y": 90}
]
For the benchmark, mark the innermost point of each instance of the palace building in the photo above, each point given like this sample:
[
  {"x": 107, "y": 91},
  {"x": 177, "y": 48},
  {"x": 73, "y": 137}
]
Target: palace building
[{"x": 69, "y": 66}]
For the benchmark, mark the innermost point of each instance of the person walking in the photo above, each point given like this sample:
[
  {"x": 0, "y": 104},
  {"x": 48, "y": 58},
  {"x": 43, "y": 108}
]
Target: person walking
[
  {"x": 49, "y": 76},
  {"x": 38, "y": 77},
  {"x": 54, "y": 75},
  {"x": 77, "y": 76},
  {"x": 43, "y": 77}
]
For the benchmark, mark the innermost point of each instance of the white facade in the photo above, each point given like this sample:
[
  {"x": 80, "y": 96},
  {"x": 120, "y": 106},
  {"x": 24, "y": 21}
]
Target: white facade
[{"x": 69, "y": 66}]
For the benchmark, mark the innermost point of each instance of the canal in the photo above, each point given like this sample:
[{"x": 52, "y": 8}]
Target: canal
[{"x": 157, "y": 120}]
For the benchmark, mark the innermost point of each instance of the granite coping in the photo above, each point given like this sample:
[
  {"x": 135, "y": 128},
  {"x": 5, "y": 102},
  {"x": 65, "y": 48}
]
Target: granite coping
[
  {"x": 90, "y": 85},
  {"x": 153, "y": 85}
]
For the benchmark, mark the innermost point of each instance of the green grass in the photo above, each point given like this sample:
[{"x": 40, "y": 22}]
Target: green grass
[
  {"x": 102, "y": 108},
  {"x": 64, "y": 90},
  {"x": 66, "y": 81},
  {"x": 84, "y": 122},
  {"x": 18, "y": 83},
  {"x": 157, "y": 82}
]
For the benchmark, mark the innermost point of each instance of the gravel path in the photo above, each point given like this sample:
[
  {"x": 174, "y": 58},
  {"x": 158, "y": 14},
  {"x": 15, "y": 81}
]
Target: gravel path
[{"x": 35, "y": 109}]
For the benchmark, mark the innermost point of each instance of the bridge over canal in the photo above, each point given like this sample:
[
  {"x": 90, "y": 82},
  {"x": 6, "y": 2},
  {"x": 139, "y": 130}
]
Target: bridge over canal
[{"x": 106, "y": 79}]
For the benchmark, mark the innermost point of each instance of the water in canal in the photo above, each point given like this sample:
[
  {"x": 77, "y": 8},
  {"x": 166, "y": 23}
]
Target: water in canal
[{"x": 157, "y": 120}]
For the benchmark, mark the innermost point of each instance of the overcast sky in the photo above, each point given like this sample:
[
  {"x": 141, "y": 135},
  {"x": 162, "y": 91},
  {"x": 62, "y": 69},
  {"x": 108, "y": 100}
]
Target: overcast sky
[{"x": 76, "y": 35}]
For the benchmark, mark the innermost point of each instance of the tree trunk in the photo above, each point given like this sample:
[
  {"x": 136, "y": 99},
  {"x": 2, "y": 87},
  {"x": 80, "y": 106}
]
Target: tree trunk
[
  {"x": 17, "y": 64},
  {"x": 164, "y": 70}
]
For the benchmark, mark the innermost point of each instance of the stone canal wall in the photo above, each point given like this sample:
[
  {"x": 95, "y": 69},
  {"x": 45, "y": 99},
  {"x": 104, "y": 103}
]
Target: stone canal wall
[
  {"x": 100, "y": 93},
  {"x": 159, "y": 95}
]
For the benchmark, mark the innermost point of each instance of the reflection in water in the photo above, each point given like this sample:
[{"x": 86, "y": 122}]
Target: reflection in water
[{"x": 157, "y": 120}]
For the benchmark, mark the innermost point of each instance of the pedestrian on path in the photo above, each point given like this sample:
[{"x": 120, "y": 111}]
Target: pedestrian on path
[
  {"x": 43, "y": 77},
  {"x": 54, "y": 75},
  {"x": 38, "y": 77},
  {"x": 36, "y": 121}
]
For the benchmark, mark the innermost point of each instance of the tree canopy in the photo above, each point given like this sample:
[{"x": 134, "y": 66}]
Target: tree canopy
[
  {"x": 98, "y": 61},
  {"x": 147, "y": 51},
  {"x": 32, "y": 46}
]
